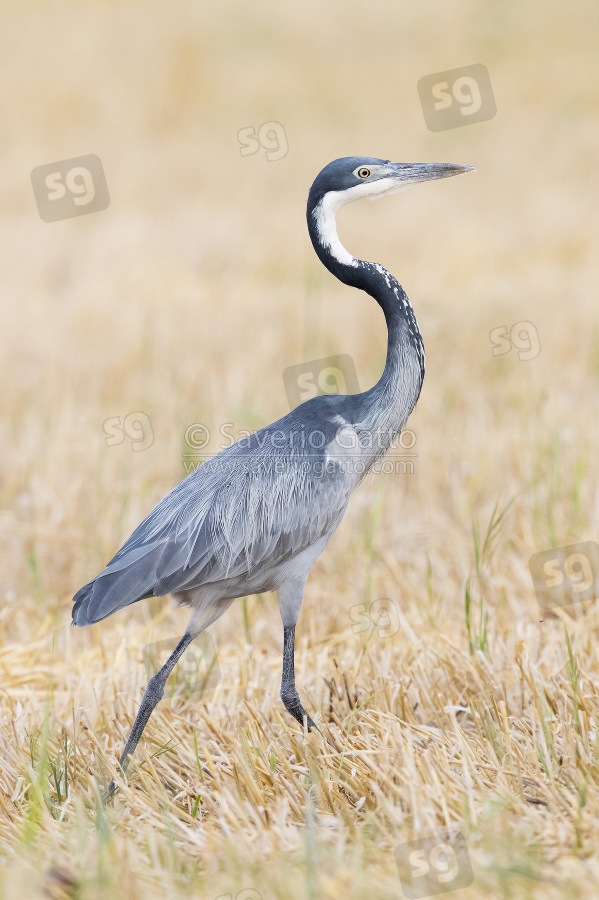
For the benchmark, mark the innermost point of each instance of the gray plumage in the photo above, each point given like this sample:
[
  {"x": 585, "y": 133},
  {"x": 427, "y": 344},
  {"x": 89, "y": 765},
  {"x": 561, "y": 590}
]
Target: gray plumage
[
  {"x": 238, "y": 518},
  {"x": 255, "y": 517}
]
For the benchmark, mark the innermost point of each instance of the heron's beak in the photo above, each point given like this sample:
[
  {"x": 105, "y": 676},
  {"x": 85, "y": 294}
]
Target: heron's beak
[
  {"x": 412, "y": 173},
  {"x": 400, "y": 176}
]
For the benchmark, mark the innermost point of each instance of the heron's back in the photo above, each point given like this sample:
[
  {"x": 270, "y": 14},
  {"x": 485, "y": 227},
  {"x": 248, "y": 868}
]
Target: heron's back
[{"x": 252, "y": 507}]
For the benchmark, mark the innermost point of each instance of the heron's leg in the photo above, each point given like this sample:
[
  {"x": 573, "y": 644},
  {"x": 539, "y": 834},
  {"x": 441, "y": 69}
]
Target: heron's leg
[
  {"x": 290, "y": 595},
  {"x": 152, "y": 696},
  {"x": 289, "y": 694},
  {"x": 205, "y": 613}
]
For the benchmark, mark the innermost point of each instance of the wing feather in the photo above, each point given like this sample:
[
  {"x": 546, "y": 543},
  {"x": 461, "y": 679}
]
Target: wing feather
[{"x": 256, "y": 503}]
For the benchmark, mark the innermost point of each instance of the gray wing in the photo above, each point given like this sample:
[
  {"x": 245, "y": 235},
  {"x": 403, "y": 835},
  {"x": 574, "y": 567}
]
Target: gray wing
[{"x": 259, "y": 502}]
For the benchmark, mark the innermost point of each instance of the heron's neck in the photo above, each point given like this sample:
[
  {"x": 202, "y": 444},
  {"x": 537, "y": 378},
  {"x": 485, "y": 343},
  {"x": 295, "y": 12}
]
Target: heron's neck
[{"x": 389, "y": 403}]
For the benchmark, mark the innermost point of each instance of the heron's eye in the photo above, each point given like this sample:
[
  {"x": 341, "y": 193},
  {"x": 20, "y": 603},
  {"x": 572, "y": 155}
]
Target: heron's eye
[{"x": 363, "y": 172}]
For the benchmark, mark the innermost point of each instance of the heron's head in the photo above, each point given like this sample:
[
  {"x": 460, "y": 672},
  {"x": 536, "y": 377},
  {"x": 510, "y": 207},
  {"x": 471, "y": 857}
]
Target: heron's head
[{"x": 352, "y": 177}]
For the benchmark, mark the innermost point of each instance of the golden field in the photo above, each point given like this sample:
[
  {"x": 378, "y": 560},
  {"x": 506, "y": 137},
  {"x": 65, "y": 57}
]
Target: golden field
[{"x": 185, "y": 300}]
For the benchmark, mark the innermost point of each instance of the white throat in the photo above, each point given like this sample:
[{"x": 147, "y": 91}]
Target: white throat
[
  {"x": 326, "y": 225},
  {"x": 325, "y": 213}
]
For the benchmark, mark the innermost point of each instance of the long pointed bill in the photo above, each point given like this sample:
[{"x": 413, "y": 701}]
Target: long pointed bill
[
  {"x": 412, "y": 173},
  {"x": 401, "y": 176}
]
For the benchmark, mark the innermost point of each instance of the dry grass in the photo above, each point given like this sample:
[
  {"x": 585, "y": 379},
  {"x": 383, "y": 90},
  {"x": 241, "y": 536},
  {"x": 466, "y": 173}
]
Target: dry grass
[{"x": 186, "y": 299}]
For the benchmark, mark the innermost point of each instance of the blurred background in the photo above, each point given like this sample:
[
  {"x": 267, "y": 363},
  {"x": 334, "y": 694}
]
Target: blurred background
[{"x": 186, "y": 298}]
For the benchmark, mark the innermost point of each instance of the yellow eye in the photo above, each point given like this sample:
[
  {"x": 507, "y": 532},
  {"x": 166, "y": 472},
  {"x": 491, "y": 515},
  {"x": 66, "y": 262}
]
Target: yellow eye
[{"x": 363, "y": 172}]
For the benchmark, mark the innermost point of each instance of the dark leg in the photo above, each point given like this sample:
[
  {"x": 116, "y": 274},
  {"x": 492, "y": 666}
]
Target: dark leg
[
  {"x": 152, "y": 695},
  {"x": 289, "y": 694}
]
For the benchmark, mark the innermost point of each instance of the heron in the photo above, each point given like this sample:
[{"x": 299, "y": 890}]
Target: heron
[{"x": 256, "y": 516}]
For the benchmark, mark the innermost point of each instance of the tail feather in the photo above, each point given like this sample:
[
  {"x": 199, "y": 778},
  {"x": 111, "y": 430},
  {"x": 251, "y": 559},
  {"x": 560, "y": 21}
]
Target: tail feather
[{"x": 113, "y": 590}]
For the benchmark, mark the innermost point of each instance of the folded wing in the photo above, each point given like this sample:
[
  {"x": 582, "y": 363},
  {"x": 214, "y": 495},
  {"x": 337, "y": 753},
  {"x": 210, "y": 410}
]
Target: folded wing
[{"x": 254, "y": 505}]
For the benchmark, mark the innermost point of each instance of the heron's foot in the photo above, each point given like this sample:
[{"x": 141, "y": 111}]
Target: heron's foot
[
  {"x": 293, "y": 705},
  {"x": 109, "y": 795},
  {"x": 123, "y": 766}
]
